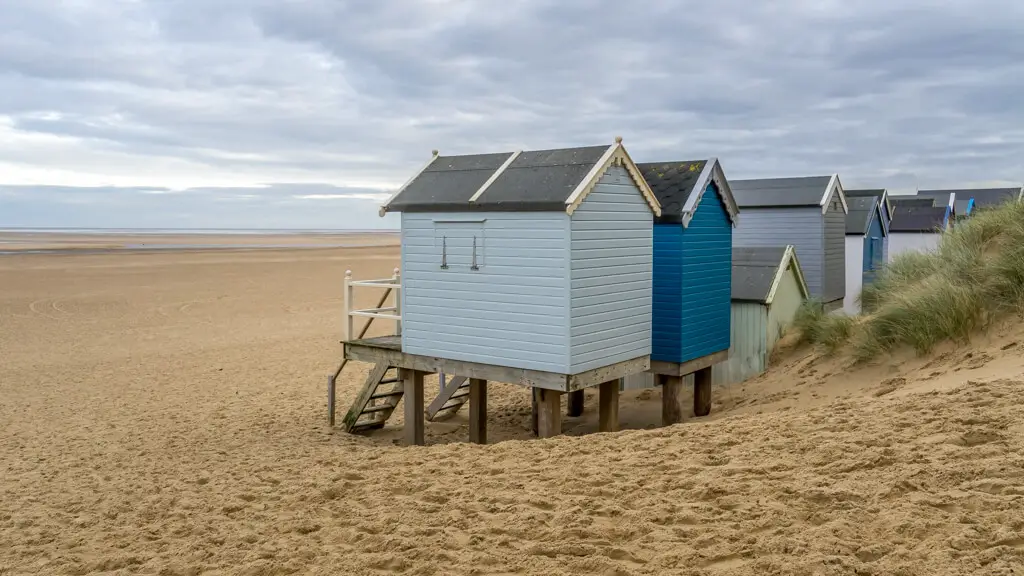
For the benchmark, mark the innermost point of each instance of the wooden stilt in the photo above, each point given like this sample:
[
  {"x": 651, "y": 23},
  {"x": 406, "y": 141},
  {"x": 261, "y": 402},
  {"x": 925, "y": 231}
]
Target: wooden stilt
[
  {"x": 702, "y": 392},
  {"x": 549, "y": 421},
  {"x": 478, "y": 411},
  {"x": 671, "y": 400},
  {"x": 330, "y": 400},
  {"x": 414, "y": 420},
  {"x": 609, "y": 406},
  {"x": 574, "y": 404},
  {"x": 534, "y": 392}
]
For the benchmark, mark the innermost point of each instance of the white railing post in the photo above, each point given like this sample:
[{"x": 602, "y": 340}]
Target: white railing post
[
  {"x": 397, "y": 278},
  {"x": 348, "y": 305}
]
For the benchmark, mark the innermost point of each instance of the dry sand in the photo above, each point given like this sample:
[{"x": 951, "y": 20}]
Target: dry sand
[{"x": 163, "y": 413}]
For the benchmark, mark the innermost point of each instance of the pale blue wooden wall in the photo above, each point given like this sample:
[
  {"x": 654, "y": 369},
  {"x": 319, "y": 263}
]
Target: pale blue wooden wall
[
  {"x": 611, "y": 271},
  {"x": 513, "y": 311}
]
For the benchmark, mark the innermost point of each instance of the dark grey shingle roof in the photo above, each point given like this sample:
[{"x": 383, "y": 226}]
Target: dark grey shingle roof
[
  {"x": 983, "y": 197},
  {"x": 449, "y": 181},
  {"x": 865, "y": 193},
  {"x": 538, "y": 180},
  {"x": 913, "y": 200},
  {"x": 941, "y": 197},
  {"x": 779, "y": 192},
  {"x": 917, "y": 218},
  {"x": 861, "y": 210},
  {"x": 672, "y": 183},
  {"x": 753, "y": 271}
]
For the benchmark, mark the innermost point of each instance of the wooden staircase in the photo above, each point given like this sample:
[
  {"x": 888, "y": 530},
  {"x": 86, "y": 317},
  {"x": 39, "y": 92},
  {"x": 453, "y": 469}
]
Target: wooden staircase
[
  {"x": 448, "y": 402},
  {"x": 375, "y": 404}
]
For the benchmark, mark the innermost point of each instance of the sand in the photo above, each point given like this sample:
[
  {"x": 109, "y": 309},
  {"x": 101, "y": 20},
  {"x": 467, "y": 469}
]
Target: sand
[{"x": 164, "y": 413}]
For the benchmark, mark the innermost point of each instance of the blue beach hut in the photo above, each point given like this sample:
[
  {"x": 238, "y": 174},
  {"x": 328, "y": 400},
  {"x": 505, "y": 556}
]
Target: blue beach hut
[{"x": 692, "y": 265}]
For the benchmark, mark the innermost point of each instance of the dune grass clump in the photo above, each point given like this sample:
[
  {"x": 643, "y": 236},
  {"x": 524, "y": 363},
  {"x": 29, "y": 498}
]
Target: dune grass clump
[
  {"x": 921, "y": 299},
  {"x": 815, "y": 326}
]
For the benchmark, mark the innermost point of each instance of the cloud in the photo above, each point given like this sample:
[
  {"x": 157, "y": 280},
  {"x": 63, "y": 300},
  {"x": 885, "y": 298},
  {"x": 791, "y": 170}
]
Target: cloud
[{"x": 199, "y": 96}]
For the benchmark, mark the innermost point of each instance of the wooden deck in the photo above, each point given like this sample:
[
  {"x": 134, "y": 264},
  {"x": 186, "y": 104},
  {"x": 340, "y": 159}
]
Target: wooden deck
[{"x": 388, "y": 350}]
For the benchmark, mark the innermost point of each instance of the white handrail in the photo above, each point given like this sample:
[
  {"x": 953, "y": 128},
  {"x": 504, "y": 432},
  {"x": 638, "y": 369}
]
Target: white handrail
[{"x": 393, "y": 312}]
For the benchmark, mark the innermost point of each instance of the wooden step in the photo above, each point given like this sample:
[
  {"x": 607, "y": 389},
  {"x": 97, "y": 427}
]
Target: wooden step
[
  {"x": 379, "y": 385},
  {"x": 448, "y": 402},
  {"x": 387, "y": 394}
]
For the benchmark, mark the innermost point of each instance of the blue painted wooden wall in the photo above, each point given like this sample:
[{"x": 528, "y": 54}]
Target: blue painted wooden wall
[
  {"x": 874, "y": 256},
  {"x": 692, "y": 284}
]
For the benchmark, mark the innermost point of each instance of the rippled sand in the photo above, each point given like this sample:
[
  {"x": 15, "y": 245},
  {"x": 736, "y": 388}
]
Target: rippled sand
[{"x": 164, "y": 414}]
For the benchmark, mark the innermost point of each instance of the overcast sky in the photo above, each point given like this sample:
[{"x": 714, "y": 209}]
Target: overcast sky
[{"x": 305, "y": 114}]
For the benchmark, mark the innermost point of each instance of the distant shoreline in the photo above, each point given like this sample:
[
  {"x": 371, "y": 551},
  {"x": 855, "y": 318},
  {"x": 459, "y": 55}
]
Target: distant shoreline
[
  {"x": 194, "y": 231},
  {"x": 79, "y": 241}
]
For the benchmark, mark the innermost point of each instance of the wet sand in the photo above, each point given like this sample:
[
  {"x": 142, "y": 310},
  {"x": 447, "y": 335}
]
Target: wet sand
[{"x": 164, "y": 413}]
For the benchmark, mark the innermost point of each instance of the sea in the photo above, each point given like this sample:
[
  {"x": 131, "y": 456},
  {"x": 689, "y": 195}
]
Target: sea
[{"x": 25, "y": 237}]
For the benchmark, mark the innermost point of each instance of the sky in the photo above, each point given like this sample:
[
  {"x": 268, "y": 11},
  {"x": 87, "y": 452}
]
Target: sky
[{"x": 309, "y": 113}]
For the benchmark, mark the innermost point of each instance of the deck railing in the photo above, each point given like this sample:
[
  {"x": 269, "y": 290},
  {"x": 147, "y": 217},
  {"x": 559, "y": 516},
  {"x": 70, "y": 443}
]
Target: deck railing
[{"x": 393, "y": 286}]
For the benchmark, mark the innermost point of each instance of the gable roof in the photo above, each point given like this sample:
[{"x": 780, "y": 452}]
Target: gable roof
[
  {"x": 788, "y": 192},
  {"x": 539, "y": 180},
  {"x": 679, "y": 187},
  {"x": 862, "y": 209},
  {"x": 872, "y": 192},
  {"x": 983, "y": 197},
  {"x": 919, "y": 218},
  {"x": 910, "y": 200},
  {"x": 758, "y": 271},
  {"x": 942, "y": 197}
]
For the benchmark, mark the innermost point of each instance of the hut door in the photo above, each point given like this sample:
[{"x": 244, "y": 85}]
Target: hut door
[{"x": 875, "y": 253}]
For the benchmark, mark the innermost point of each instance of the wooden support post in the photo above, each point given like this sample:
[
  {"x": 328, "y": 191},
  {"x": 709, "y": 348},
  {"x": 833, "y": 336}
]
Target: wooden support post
[
  {"x": 534, "y": 393},
  {"x": 414, "y": 420},
  {"x": 671, "y": 399},
  {"x": 478, "y": 411},
  {"x": 330, "y": 399},
  {"x": 549, "y": 413},
  {"x": 609, "y": 406},
  {"x": 574, "y": 405},
  {"x": 702, "y": 392}
]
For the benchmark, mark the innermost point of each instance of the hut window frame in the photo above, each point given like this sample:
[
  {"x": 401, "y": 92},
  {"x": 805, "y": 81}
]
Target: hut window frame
[{"x": 460, "y": 243}]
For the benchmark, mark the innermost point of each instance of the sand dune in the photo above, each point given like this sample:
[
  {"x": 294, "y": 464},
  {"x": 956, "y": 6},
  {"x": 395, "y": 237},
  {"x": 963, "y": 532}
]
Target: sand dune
[{"x": 163, "y": 413}]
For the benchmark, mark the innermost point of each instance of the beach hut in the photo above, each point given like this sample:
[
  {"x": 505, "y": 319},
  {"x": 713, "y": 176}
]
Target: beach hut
[
  {"x": 526, "y": 267},
  {"x": 917, "y": 228},
  {"x": 967, "y": 199},
  {"x": 538, "y": 260},
  {"x": 768, "y": 287},
  {"x": 883, "y": 198},
  {"x": 692, "y": 253},
  {"x": 808, "y": 213},
  {"x": 867, "y": 238}
]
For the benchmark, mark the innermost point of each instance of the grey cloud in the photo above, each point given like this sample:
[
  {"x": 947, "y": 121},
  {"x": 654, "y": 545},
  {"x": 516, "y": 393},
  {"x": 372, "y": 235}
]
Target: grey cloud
[{"x": 911, "y": 93}]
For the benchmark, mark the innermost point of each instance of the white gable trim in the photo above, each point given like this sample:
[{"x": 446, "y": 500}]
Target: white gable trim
[
  {"x": 1020, "y": 197},
  {"x": 886, "y": 203},
  {"x": 483, "y": 187},
  {"x": 712, "y": 172},
  {"x": 384, "y": 207},
  {"x": 881, "y": 222},
  {"x": 788, "y": 258},
  {"x": 834, "y": 187},
  {"x": 615, "y": 155}
]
